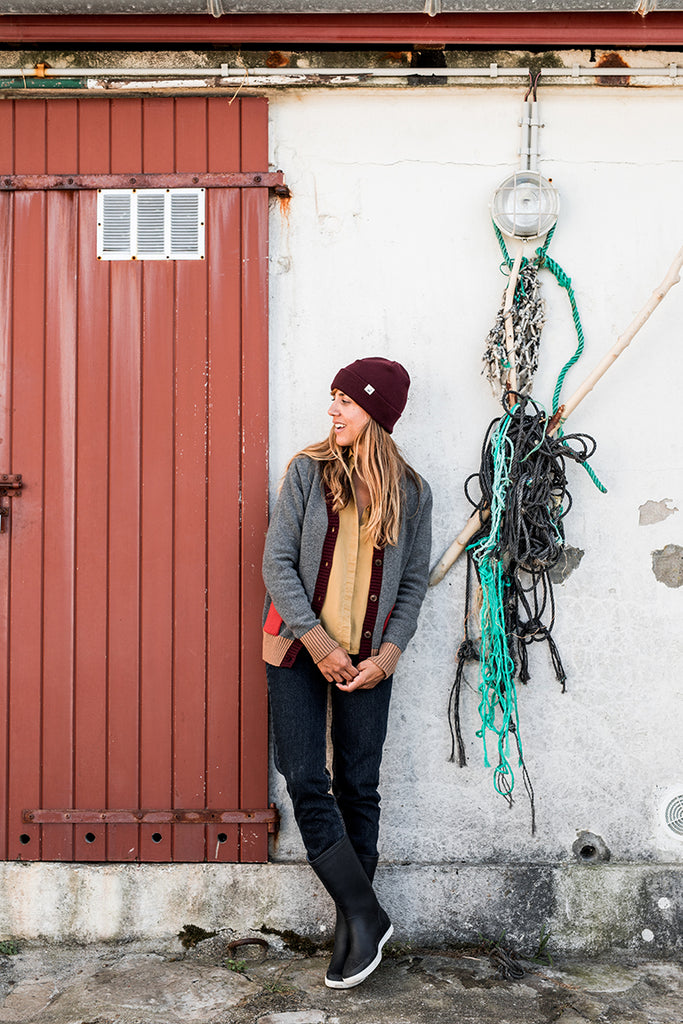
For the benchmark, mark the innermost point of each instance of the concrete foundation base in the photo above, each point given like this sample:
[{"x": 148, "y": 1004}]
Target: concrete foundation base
[{"x": 586, "y": 908}]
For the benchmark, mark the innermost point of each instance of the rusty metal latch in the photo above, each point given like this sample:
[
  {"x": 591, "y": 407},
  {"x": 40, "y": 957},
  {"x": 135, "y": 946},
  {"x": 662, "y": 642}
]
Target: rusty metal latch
[
  {"x": 10, "y": 487},
  {"x": 200, "y": 816}
]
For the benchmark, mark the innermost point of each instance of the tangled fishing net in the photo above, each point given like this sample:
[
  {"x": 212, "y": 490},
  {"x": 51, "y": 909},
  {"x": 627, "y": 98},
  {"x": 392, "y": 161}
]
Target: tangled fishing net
[
  {"x": 528, "y": 318},
  {"x": 522, "y": 483}
]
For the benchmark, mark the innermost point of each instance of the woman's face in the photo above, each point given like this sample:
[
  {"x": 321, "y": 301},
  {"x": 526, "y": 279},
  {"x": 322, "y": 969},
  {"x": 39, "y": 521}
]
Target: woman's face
[{"x": 348, "y": 419}]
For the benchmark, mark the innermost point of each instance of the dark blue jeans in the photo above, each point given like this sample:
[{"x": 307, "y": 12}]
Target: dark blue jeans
[{"x": 298, "y": 711}]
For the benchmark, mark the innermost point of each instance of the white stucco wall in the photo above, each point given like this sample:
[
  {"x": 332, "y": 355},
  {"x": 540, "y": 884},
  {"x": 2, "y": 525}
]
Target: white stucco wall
[{"x": 386, "y": 248}]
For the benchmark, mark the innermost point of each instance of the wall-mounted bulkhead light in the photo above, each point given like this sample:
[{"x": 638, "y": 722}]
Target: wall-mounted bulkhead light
[{"x": 526, "y": 205}]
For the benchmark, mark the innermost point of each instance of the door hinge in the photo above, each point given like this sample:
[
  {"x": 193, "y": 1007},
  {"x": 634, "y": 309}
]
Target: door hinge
[{"x": 10, "y": 487}]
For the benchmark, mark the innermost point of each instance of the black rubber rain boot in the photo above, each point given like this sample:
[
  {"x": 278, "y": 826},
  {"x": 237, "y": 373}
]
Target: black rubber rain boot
[
  {"x": 334, "y": 977},
  {"x": 368, "y": 925}
]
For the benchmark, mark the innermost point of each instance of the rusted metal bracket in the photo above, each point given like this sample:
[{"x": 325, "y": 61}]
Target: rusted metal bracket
[
  {"x": 274, "y": 180},
  {"x": 199, "y": 816},
  {"x": 10, "y": 487}
]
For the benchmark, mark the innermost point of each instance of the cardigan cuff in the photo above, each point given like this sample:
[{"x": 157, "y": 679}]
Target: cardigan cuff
[
  {"x": 318, "y": 643},
  {"x": 387, "y": 658}
]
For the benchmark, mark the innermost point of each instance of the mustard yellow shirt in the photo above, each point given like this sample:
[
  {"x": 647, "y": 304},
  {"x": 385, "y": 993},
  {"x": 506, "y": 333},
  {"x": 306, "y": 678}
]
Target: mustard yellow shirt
[{"x": 346, "y": 600}]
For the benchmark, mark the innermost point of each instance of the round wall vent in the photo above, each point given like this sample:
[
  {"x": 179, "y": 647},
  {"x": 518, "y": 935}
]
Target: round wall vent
[{"x": 673, "y": 815}]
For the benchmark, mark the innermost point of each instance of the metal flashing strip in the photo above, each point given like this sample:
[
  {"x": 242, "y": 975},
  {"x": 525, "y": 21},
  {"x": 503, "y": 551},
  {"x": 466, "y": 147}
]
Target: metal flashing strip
[
  {"x": 72, "y": 182},
  {"x": 173, "y": 816}
]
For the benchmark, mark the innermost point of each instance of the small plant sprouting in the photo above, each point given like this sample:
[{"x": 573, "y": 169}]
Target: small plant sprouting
[
  {"x": 8, "y": 947},
  {"x": 239, "y": 966},
  {"x": 542, "y": 956}
]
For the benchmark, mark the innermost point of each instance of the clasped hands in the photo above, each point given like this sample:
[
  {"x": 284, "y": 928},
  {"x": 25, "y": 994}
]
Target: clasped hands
[{"x": 338, "y": 668}]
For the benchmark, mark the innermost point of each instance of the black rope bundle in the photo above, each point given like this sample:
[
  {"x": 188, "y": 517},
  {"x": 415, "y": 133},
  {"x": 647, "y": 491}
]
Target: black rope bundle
[{"x": 529, "y": 542}]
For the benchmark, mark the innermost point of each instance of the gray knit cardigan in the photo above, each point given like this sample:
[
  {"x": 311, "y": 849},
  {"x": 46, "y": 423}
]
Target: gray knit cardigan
[{"x": 293, "y": 553}]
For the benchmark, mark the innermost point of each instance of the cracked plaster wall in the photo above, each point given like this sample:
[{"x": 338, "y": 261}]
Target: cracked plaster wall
[{"x": 387, "y": 248}]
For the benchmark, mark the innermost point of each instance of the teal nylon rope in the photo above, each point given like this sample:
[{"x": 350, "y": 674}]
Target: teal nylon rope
[
  {"x": 498, "y": 703},
  {"x": 563, "y": 279}
]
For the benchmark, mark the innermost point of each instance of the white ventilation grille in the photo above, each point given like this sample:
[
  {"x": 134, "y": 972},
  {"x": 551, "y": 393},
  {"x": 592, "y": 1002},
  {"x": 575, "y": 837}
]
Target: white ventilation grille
[
  {"x": 673, "y": 815},
  {"x": 150, "y": 224}
]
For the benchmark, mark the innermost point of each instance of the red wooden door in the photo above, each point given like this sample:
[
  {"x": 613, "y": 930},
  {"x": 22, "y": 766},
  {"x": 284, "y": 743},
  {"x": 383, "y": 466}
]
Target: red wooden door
[{"x": 134, "y": 407}]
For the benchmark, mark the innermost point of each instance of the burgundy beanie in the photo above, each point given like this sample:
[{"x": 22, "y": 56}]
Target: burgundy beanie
[{"x": 380, "y": 386}]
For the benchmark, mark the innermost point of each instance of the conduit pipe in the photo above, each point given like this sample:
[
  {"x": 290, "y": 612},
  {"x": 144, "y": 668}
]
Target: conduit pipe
[{"x": 493, "y": 71}]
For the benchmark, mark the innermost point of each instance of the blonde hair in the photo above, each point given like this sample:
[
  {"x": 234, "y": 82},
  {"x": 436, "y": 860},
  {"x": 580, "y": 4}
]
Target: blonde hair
[{"x": 380, "y": 464}]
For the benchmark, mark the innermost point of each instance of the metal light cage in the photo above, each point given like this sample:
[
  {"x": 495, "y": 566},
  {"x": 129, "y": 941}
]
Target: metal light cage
[{"x": 526, "y": 205}]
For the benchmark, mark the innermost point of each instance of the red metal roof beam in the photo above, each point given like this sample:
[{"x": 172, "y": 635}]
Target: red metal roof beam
[{"x": 659, "y": 29}]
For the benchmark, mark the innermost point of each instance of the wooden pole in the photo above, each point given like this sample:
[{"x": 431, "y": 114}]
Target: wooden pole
[
  {"x": 507, "y": 320},
  {"x": 479, "y": 517}
]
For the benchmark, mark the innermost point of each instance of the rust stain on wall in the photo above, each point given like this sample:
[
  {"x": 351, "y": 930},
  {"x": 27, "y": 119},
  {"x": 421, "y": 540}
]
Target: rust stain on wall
[{"x": 612, "y": 60}]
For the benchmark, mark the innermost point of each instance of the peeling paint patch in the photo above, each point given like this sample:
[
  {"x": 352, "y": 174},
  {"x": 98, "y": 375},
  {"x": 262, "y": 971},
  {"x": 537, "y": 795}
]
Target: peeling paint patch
[
  {"x": 567, "y": 562},
  {"x": 655, "y": 511},
  {"x": 667, "y": 565}
]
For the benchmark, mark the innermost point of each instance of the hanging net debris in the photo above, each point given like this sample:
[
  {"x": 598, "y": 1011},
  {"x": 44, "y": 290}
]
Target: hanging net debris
[
  {"x": 522, "y": 485},
  {"x": 528, "y": 318}
]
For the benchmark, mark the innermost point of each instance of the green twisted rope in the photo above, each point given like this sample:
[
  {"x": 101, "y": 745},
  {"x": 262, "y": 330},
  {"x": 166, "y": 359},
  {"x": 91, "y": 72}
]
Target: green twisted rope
[
  {"x": 498, "y": 703},
  {"x": 563, "y": 279}
]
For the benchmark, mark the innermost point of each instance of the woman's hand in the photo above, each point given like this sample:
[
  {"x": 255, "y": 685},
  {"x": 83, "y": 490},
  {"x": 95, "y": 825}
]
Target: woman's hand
[
  {"x": 369, "y": 675},
  {"x": 337, "y": 667}
]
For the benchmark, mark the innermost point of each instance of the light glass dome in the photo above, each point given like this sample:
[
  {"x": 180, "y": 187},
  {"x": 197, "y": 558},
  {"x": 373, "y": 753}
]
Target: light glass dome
[{"x": 526, "y": 205}]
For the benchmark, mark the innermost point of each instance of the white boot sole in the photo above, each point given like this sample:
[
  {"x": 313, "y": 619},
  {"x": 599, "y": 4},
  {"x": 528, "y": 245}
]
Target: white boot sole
[{"x": 356, "y": 979}]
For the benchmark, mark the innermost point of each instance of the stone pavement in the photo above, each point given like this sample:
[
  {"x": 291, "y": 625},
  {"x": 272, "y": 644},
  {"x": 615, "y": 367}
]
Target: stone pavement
[{"x": 215, "y": 982}]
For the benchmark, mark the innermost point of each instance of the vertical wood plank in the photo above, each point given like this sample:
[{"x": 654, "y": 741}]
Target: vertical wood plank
[
  {"x": 30, "y": 155},
  {"x": 156, "y": 606},
  {"x": 7, "y": 137},
  {"x": 61, "y": 138},
  {"x": 124, "y": 555},
  {"x": 124, "y": 507},
  {"x": 92, "y": 531},
  {"x": 189, "y": 658},
  {"x": 158, "y": 142},
  {"x": 126, "y": 136},
  {"x": 6, "y": 465},
  {"x": 190, "y": 134},
  {"x": 224, "y": 139},
  {"x": 26, "y": 593},
  {"x": 94, "y": 136},
  {"x": 254, "y": 122},
  {"x": 223, "y": 550},
  {"x": 254, "y": 708},
  {"x": 59, "y": 494},
  {"x": 92, "y": 492},
  {"x": 156, "y": 521}
]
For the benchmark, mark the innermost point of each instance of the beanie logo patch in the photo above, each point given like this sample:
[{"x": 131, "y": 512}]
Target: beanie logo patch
[{"x": 369, "y": 389}]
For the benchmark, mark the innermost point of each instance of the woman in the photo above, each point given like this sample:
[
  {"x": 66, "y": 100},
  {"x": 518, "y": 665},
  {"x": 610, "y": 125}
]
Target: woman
[{"x": 346, "y": 565}]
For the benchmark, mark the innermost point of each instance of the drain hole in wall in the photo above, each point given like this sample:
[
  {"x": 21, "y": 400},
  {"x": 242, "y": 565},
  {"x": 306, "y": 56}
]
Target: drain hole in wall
[
  {"x": 590, "y": 848},
  {"x": 24, "y": 839},
  {"x": 90, "y": 837},
  {"x": 157, "y": 837},
  {"x": 222, "y": 837}
]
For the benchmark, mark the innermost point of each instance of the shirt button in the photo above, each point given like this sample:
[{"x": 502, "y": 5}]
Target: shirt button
[
  {"x": 378, "y": 561},
  {"x": 373, "y": 597},
  {"x": 367, "y": 634}
]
